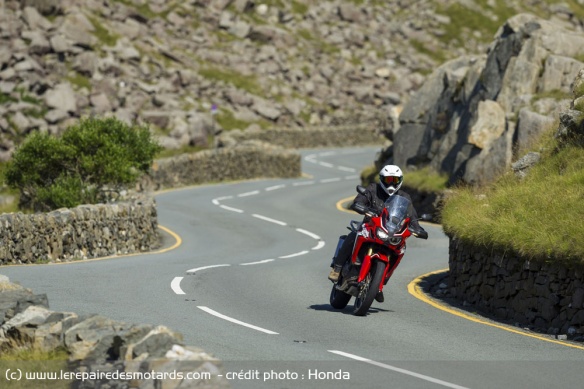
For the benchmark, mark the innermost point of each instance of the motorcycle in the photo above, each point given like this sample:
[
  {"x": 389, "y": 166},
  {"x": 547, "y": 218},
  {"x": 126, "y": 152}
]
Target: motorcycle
[{"x": 379, "y": 247}]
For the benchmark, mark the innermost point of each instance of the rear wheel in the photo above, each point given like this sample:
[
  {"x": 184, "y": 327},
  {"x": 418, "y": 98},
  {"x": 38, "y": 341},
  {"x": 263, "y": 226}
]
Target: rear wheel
[
  {"x": 369, "y": 290},
  {"x": 339, "y": 299}
]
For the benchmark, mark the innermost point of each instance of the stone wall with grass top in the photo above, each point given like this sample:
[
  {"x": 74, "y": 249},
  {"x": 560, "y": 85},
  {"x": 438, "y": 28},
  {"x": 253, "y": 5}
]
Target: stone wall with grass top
[
  {"x": 547, "y": 294},
  {"x": 87, "y": 231},
  {"x": 302, "y": 137},
  {"x": 247, "y": 160},
  {"x": 546, "y": 297}
]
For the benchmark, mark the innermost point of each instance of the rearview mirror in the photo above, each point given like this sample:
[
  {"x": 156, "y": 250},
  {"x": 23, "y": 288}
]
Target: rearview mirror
[{"x": 426, "y": 217}]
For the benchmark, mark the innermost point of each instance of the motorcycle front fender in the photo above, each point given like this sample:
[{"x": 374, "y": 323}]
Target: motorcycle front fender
[{"x": 367, "y": 261}]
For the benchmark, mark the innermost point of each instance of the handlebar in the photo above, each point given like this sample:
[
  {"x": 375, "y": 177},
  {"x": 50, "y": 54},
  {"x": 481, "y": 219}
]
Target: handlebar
[{"x": 363, "y": 210}]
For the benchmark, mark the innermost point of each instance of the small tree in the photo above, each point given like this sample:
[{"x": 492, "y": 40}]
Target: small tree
[{"x": 91, "y": 162}]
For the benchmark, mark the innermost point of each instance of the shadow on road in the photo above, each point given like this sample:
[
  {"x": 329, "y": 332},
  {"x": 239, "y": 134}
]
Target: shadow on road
[{"x": 346, "y": 311}]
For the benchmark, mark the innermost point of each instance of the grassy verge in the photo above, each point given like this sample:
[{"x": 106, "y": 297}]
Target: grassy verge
[
  {"x": 36, "y": 369},
  {"x": 539, "y": 217},
  {"x": 426, "y": 180}
]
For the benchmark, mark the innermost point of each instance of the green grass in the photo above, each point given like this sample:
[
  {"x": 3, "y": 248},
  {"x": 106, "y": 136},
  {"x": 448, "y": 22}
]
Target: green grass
[
  {"x": 426, "y": 180},
  {"x": 464, "y": 20},
  {"x": 228, "y": 122},
  {"x": 539, "y": 217},
  {"x": 247, "y": 83},
  {"x": 437, "y": 55},
  {"x": 103, "y": 34},
  {"x": 28, "y": 361},
  {"x": 80, "y": 81},
  {"x": 166, "y": 153},
  {"x": 299, "y": 8}
]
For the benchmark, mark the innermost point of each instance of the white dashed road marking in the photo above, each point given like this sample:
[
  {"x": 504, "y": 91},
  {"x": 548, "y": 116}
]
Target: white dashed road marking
[
  {"x": 267, "y": 219},
  {"x": 204, "y": 268},
  {"x": 255, "y": 192},
  {"x": 257, "y": 263},
  {"x": 221, "y": 316},
  {"x": 175, "y": 285},
  {"x": 294, "y": 255},
  {"x": 275, "y": 187},
  {"x": 319, "y": 245},
  {"x": 308, "y": 233},
  {"x": 231, "y": 209},
  {"x": 398, "y": 370}
]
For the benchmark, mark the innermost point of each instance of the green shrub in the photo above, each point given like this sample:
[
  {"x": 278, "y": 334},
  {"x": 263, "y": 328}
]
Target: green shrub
[{"x": 91, "y": 162}]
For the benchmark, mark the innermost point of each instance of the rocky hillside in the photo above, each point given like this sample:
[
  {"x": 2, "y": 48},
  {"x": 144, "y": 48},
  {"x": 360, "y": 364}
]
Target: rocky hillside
[
  {"x": 476, "y": 114},
  {"x": 194, "y": 68}
]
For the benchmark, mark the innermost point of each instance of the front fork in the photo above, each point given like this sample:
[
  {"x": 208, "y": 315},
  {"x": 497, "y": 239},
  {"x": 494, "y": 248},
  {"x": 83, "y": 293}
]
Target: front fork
[
  {"x": 388, "y": 272},
  {"x": 366, "y": 266}
]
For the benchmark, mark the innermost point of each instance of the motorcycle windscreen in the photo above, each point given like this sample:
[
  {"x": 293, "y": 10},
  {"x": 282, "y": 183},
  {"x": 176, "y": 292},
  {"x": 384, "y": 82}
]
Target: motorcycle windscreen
[{"x": 398, "y": 209}]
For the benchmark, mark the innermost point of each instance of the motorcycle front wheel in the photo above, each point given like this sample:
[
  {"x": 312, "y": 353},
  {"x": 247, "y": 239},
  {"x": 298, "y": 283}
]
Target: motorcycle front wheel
[
  {"x": 339, "y": 299},
  {"x": 369, "y": 290}
]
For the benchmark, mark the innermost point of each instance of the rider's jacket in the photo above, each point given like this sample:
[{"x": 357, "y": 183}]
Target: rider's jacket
[{"x": 375, "y": 198}]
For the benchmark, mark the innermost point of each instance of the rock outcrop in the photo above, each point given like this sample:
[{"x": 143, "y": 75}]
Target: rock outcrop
[
  {"x": 132, "y": 355},
  {"x": 475, "y": 112}
]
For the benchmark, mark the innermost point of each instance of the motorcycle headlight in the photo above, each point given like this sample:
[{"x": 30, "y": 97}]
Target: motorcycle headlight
[
  {"x": 381, "y": 234},
  {"x": 395, "y": 240}
]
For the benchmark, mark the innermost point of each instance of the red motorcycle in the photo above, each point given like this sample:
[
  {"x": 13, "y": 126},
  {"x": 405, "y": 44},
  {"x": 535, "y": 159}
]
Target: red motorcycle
[{"x": 379, "y": 248}]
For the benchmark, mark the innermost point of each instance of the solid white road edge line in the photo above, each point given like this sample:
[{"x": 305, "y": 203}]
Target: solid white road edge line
[
  {"x": 205, "y": 267},
  {"x": 398, "y": 370},
  {"x": 175, "y": 285},
  {"x": 308, "y": 233},
  {"x": 257, "y": 263},
  {"x": 221, "y": 316},
  {"x": 268, "y": 219},
  {"x": 294, "y": 255}
]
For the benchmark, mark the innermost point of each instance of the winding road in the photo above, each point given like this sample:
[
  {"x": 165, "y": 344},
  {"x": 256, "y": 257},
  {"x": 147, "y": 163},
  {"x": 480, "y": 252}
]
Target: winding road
[{"x": 244, "y": 276}]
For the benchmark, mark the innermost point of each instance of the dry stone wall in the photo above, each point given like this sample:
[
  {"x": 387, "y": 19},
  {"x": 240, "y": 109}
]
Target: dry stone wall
[
  {"x": 87, "y": 231},
  {"x": 545, "y": 297},
  {"x": 247, "y": 161},
  {"x": 301, "y": 137}
]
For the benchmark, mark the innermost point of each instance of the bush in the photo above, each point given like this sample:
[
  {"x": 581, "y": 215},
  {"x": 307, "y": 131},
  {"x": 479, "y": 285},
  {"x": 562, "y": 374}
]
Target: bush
[{"x": 90, "y": 163}]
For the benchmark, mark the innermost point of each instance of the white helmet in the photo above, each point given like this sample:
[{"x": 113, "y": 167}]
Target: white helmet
[{"x": 391, "y": 178}]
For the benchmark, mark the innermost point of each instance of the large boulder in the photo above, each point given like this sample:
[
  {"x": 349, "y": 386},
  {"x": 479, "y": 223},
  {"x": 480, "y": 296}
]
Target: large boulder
[{"x": 472, "y": 112}]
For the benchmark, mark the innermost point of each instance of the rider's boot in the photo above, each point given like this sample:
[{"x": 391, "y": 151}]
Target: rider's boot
[
  {"x": 379, "y": 297},
  {"x": 335, "y": 273}
]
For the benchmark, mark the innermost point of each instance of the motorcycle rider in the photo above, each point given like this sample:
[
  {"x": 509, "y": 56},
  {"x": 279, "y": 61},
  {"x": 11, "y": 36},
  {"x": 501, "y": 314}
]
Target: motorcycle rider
[{"x": 390, "y": 182}]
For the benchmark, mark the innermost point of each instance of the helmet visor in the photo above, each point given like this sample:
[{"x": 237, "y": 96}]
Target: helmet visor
[{"x": 391, "y": 180}]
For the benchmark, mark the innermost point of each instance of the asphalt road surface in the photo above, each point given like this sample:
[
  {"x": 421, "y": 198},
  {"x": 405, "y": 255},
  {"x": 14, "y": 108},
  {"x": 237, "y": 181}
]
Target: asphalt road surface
[{"x": 246, "y": 280}]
